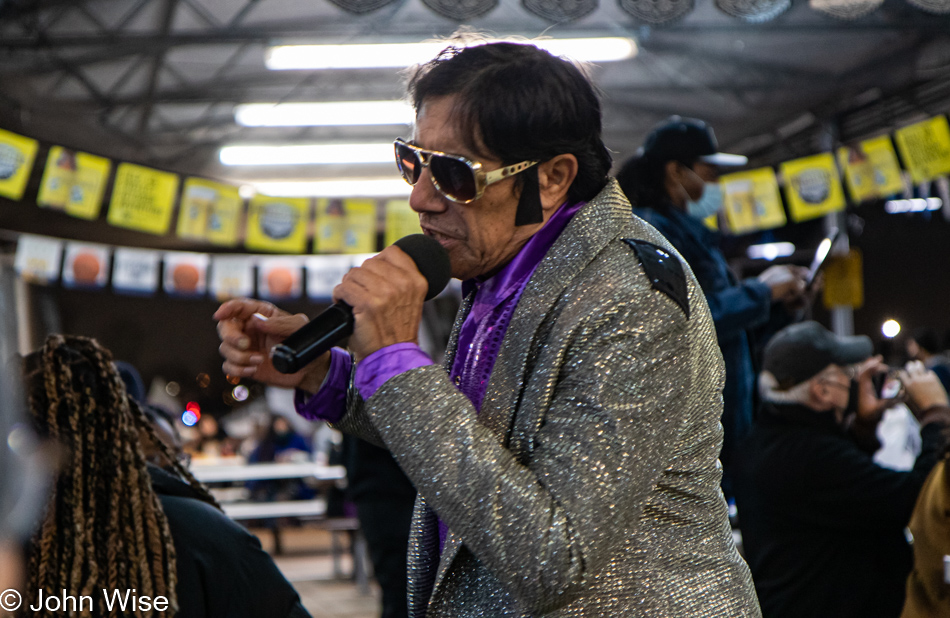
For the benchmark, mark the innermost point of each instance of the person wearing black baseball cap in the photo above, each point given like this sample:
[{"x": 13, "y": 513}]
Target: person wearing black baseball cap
[
  {"x": 822, "y": 523},
  {"x": 672, "y": 184}
]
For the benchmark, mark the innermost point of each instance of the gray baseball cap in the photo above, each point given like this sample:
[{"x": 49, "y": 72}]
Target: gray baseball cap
[{"x": 800, "y": 351}]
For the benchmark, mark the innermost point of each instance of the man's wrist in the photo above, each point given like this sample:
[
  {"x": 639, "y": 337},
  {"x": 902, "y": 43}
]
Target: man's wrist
[{"x": 315, "y": 375}]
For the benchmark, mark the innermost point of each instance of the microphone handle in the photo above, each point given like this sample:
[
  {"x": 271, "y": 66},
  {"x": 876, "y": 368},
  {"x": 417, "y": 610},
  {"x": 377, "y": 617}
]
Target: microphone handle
[{"x": 312, "y": 340}]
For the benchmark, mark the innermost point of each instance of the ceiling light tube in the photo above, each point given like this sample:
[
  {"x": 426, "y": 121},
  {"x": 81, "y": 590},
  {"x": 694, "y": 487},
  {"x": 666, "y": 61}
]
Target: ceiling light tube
[
  {"x": 351, "y": 187},
  {"x": 398, "y": 55},
  {"x": 307, "y": 154},
  {"x": 328, "y": 114}
]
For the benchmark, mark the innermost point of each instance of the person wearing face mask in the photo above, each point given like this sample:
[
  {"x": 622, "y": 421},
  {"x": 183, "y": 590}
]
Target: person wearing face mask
[
  {"x": 672, "y": 183},
  {"x": 822, "y": 523}
]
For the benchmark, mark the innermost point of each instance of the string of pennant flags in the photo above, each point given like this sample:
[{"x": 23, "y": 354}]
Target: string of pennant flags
[
  {"x": 144, "y": 199},
  {"x": 752, "y": 200},
  {"x": 144, "y": 272},
  {"x": 208, "y": 212}
]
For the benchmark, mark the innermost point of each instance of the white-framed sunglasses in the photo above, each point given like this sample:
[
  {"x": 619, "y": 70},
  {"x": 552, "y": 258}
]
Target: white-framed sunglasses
[{"x": 456, "y": 177}]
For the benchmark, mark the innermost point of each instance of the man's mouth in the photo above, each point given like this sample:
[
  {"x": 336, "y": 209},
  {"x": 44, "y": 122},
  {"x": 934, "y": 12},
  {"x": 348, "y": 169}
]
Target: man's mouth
[{"x": 442, "y": 237}]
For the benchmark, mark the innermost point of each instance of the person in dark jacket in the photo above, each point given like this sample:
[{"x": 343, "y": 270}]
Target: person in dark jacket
[
  {"x": 672, "y": 184},
  {"x": 222, "y": 569},
  {"x": 114, "y": 522},
  {"x": 822, "y": 523}
]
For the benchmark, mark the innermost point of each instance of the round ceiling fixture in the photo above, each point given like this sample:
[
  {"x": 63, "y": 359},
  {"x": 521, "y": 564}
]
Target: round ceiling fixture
[
  {"x": 932, "y": 6},
  {"x": 657, "y": 11},
  {"x": 461, "y": 10},
  {"x": 754, "y": 11},
  {"x": 845, "y": 9},
  {"x": 361, "y": 6},
  {"x": 560, "y": 11}
]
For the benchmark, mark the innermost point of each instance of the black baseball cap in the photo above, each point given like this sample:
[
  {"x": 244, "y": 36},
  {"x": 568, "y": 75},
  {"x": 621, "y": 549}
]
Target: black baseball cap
[
  {"x": 801, "y": 351},
  {"x": 688, "y": 140}
]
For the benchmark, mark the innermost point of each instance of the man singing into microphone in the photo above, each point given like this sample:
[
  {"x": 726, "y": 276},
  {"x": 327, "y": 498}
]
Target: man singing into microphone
[{"x": 566, "y": 454}]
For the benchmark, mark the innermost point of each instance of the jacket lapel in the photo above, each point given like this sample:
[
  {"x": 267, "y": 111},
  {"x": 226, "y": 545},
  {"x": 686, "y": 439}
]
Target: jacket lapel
[{"x": 590, "y": 230}]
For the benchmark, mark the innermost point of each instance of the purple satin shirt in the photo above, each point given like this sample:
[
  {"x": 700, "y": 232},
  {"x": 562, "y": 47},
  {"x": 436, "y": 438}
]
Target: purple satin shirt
[{"x": 479, "y": 340}]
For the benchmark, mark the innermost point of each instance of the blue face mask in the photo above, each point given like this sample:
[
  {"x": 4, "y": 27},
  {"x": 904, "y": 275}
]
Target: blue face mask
[{"x": 708, "y": 204}]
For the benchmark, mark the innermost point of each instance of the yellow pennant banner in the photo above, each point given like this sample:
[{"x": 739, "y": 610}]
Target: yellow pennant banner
[
  {"x": 360, "y": 236},
  {"x": 401, "y": 220},
  {"x": 74, "y": 182},
  {"x": 871, "y": 169},
  {"x": 752, "y": 200},
  {"x": 209, "y": 211},
  {"x": 925, "y": 148},
  {"x": 16, "y": 162},
  {"x": 277, "y": 224},
  {"x": 143, "y": 199},
  {"x": 330, "y": 226},
  {"x": 844, "y": 283},
  {"x": 812, "y": 186}
]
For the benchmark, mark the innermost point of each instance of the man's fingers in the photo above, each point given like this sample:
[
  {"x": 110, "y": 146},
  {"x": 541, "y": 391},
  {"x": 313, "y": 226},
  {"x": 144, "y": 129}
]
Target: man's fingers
[
  {"x": 240, "y": 357},
  {"x": 243, "y": 371},
  {"x": 352, "y": 294},
  {"x": 244, "y": 308},
  {"x": 232, "y": 332},
  {"x": 280, "y": 326},
  {"x": 397, "y": 257},
  {"x": 395, "y": 265}
]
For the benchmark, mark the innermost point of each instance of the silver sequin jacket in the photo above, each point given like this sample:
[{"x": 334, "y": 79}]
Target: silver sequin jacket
[{"x": 589, "y": 483}]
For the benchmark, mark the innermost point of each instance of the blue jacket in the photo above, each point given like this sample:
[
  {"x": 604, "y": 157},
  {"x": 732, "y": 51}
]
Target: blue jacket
[{"x": 736, "y": 307}]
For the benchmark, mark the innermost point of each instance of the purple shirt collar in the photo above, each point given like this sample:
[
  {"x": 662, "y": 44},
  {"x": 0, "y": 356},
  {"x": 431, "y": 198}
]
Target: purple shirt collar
[{"x": 516, "y": 272}]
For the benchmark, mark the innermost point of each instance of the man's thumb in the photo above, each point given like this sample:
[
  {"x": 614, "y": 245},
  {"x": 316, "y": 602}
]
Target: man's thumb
[{"x": 281, "y": 326}]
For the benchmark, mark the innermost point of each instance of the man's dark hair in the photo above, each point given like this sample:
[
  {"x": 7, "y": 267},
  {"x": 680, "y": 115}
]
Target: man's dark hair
[{"x": 523, "y": 104}]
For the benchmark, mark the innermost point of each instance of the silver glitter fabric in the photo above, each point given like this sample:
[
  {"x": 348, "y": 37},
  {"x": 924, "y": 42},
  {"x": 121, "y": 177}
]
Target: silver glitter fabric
[{"x": 589, "y": 483}]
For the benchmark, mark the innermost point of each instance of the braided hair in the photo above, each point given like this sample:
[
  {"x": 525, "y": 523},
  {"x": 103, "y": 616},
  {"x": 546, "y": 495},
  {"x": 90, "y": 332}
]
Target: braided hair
[{"x": 104, "y": 527}]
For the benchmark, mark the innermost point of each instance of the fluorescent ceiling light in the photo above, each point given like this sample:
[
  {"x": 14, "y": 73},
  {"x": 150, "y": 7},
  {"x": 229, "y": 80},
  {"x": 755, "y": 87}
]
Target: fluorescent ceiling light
[
  {"x": 323, "y": 114},
  {"x": 397, "y": 55},
  {"x": 351, "y": 187},
  {"x": 307, "y": 154}
]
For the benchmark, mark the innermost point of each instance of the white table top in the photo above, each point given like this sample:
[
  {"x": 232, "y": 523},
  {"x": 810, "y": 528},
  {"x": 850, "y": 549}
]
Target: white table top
[
  {"x": 217, "y": 473},
  {"x": 263, "y": 510}
]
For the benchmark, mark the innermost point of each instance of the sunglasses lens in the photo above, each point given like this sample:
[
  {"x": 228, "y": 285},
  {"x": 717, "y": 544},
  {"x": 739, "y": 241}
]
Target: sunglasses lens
[
  {"x": 456, "y": 179},
  {"x": 409, "y": 163}
]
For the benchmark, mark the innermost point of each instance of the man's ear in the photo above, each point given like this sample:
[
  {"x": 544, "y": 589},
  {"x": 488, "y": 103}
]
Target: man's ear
[
  {"x": 555, "y": 177},
  {"x": 819, "y": 393},
  {"x": 672, "y": 169}
]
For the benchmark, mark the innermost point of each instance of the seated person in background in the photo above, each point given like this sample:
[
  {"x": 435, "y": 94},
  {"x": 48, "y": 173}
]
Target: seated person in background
[
  {"x": 164, "y": 535},
  {"x": 928, "y": 587},
  {"x": 822, "y": 524},
  {"x": 924, "y": 345},
  {"x": 212, "y": 440},
  {"x": 281, "y": 444}
]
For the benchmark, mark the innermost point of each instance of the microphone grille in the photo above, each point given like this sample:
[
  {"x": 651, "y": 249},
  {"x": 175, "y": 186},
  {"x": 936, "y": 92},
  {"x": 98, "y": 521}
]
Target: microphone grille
[{"x": 431, "y": 259}]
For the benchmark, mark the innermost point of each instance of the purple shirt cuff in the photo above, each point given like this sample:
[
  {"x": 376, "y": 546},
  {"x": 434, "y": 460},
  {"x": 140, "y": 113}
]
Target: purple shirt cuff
[
  {"x": 328, "y": 403},
  {"x": 386, "y": 363}
]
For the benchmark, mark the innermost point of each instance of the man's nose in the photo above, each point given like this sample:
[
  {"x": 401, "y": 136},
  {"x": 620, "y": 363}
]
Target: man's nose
[{"x": 424, "y": 196}]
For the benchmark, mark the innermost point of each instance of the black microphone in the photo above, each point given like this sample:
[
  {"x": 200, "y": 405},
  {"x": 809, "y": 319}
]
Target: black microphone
[{"x": 324, "y": 331}]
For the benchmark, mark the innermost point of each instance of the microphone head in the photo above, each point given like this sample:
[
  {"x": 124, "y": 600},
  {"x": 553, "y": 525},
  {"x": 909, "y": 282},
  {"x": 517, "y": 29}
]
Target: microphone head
[{"x": 431, "y": 259}]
